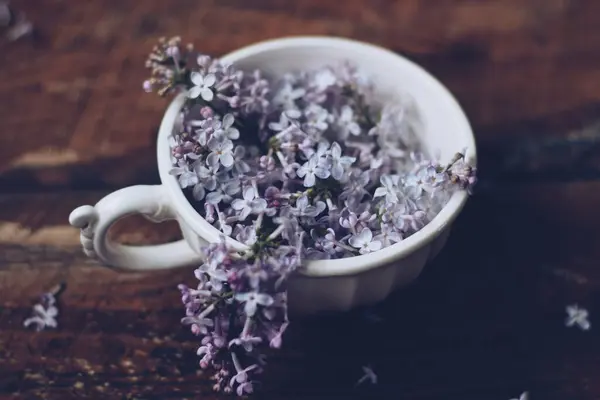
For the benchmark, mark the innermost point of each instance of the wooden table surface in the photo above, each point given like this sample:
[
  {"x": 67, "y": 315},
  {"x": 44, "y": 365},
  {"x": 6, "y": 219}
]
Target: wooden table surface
[{"x": 486, "y": 320}]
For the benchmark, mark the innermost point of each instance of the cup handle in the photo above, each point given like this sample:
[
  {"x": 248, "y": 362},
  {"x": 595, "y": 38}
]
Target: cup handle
[{"x": 151, "y": 202}]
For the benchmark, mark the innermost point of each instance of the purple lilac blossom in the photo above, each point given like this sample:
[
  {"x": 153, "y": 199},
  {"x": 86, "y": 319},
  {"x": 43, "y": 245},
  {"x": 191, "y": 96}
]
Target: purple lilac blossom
[{"x": 237, "y": 307}]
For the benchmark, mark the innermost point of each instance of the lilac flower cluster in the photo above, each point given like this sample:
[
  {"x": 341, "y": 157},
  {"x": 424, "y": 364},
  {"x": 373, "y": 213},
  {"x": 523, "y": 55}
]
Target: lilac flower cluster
[
  {"x": 309, "y": 166},
  {"x": 238, "y": 307}
]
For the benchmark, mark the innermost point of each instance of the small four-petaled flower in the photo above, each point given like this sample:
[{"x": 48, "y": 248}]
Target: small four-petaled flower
[
  {"x": 250, "y": 205},
  {"x": 364, "y": 241},
  {"x": 202, "y": 86},
  {"x": 369, "y": 375},
  {"x": 577, "y": 316},
  {"x": 252, "y": 300},
  {"x": 311, "y": 170},
  {"x": 44, "y": 313}
]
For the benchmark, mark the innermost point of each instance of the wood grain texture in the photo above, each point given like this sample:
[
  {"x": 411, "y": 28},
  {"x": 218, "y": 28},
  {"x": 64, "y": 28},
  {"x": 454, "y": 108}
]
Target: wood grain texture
[
  {"x": 484, "y": 321},
  {"x": 75, "y": 87}
]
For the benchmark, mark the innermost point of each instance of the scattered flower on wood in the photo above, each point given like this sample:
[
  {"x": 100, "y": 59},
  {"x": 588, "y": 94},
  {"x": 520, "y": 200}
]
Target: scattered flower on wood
[
  {"x": 308, "y": 166},
  {"x": 45, "y": 312},
  {"x": 577, "y": 316},
  {"x": 368, "y": 376}
]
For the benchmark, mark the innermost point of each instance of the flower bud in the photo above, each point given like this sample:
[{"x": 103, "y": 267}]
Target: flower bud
[
  {"x": 207, "y": 112},
  {"x": 172, "y": 51},
  {"x": 147, "y": 86}
]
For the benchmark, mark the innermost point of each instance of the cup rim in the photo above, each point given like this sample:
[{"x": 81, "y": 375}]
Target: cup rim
[{"x": 321, "y": 268}]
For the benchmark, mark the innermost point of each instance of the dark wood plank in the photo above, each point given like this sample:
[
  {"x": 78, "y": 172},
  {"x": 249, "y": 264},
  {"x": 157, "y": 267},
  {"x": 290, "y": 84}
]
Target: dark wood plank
[
  {"x": 485, "y": 321},
  {"x": 76, "y": 115}
]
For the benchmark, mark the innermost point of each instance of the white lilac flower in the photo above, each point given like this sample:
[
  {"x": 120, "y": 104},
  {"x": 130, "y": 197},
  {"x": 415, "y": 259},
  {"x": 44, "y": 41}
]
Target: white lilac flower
[
  {"x": 245, "y": 234},
  {"x": 253, "y": 94},
  {"x": 239, "y": 164},
  {"x": 375, "y": 163},
  {"x": 199, "y": 324},
  {"x": 249, "y": 205},
  {"x": 44, "y": 314},
  {"x": 267, "y": 162},
  {"x": 324, "y": 79},
  {"x": 348, "y": 219},
  {"x": 216, "y": 274},
  {"x": 283, "y": 123},
  {"x": 325, "y": 243},
  {"x": 388, "y": 235},
  {"x": 225, "y": 128},
  {"x": 425, "y": 180},
  {"x": 221, "y": 152},
  {"x": 288, "y": 224},
  {"x": 394, "y": 133},
  {"x": 216, "y": 254},
  {"x": 347, "y": 73},
  {"x": 305, "y": 209},
  {"x": 287, "y": 95},
  {"x": 355, "y": 187},
  {"x": 241, "y": 378},
  {"x": 256, "y": 275},
  {"x": 364, "y": 242},
  {"x": 317, "y": 117},
  {"x": 252, "y": 300},
  {"x": 339, "y": 162},
  {"x": 577, "y": 316},
  {"x": 405, "y": 217},
  {"x": 207, "y": 128},
  {"x": 319, "y": 150},
  {"x": 355, "y": 220},
  {"x": 185, "y": 176},
  {"x": 224, "y": 192},
  {"x": 209, "y": 176},
  {"x": 368, "y": 376},
  {"x": 389, "y": 189},
  {"x": 311, "y": 170},
  {"x": 346, "y": 123},
  {"x": 203, "y": 86},
  {"x": 296, "y": 78}
]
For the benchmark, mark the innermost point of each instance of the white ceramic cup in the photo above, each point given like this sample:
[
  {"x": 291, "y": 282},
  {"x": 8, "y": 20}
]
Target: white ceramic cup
[{"x": 329, "y": 285}]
